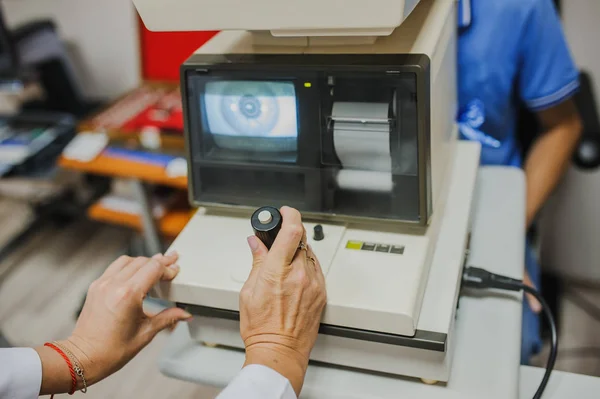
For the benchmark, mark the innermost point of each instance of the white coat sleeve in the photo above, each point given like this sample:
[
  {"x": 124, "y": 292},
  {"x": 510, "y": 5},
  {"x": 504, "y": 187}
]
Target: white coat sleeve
[
  {"x": 258, "y": 382},
  {"x": 20, "y": 374}
]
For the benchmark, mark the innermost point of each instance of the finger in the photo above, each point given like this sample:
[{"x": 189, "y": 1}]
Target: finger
[
  {"x": 313, "y": 267},
  {"x": 286, "y": 244},
  {"x": 166, "y": 260},
  {"x": 534, "y": 304},
  {"x": 116, "y": 266},
  {"x": 302, "y": 257},
  {"x": 259, "y": 251},
  {"x": 317, "y": 265},
  {"x": 151, "y": 273},
  {"x": 167, "y": 318},
  {"x": 126, "y": 271}
]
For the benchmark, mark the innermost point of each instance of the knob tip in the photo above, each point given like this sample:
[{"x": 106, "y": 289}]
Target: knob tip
[{"x": 265, "y": 217}]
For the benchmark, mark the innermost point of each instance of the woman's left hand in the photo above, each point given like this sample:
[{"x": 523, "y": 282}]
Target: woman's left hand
[{"x": 113, "y": 327}]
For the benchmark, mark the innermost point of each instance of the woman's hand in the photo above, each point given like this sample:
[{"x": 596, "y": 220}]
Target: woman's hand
[
  {"x": 282, "y": 302},
  {"x": 113, "y": 327},
  {"x": 534, "y": 304}
]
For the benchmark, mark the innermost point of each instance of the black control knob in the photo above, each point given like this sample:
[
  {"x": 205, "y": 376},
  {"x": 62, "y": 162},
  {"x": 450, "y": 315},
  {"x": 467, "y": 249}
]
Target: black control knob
[
  {"x": 266, "y": 223},
  {"x": 318, "y": 234}
]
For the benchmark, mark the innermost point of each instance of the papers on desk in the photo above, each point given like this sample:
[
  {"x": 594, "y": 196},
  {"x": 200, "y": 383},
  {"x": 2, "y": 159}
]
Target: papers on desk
[
  {"x": 19, "y": 143},
  {"x": 85, "y": 147},
  {"x": 177, "y": 168},
  {"x": 13, "y": 154},
  {"x": 129, "y": 206},
  {"x": 4, "y": 169}
]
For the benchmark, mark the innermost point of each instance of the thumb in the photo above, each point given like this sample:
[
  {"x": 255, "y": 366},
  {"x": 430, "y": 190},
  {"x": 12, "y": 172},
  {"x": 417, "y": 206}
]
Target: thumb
[
  {"x": 534, "y": 304},
  {"x": 259, "y": 251},
  {"x": 168, "y": 318}
]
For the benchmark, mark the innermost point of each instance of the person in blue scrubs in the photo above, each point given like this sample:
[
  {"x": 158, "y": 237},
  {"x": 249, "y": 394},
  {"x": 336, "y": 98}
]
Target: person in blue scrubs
[{"x": 513, "y": 52}]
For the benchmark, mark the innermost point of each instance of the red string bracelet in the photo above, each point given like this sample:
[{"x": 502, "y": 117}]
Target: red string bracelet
[{"x": 71, "y": 369}]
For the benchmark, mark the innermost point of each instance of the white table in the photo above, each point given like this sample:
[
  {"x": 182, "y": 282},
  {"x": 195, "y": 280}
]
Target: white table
[
  {"x": 488, "y": 327},
  {"x": 561, "y": 385}
]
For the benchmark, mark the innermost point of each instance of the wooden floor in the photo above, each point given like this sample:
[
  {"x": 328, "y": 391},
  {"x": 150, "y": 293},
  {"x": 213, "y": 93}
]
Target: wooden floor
[
  {"x": 42, "y": 285},
  {"x": 47, "y": 281}
]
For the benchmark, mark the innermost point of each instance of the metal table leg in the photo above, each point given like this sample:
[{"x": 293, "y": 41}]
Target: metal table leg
[
  {"x": 150, "y": 232},
  {"x": 3, "y": 342},
  {"x": 152, "y": 241}
]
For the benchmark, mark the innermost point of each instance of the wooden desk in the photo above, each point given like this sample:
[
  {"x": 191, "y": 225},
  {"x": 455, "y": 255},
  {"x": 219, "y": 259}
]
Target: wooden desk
[
  {"x": 140, "y": 173},
  {"x": 170, "y": 225},
  {"x": 106, "y": 165}
]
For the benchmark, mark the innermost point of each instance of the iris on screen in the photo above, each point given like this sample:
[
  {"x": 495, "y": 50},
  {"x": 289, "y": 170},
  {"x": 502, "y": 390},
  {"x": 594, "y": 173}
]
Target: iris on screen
[{"x": 251, "y": 109}]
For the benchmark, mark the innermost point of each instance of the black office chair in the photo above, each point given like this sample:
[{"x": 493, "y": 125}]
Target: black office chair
[{"x": 37, "y": 52}]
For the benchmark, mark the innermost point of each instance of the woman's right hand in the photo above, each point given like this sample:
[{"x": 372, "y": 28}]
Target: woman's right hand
[{"x": 282, "y": 302}]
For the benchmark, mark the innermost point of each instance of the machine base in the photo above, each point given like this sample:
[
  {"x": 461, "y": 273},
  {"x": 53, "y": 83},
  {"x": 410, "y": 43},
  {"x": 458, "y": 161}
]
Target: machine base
[
  {"x": 486, "y": 337},
  {"x": 425, "y": 354}
]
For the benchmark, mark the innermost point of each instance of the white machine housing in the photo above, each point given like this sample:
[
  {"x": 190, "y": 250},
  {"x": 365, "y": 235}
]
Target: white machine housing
[
  {"x": 377, "y": 317},
  {"x": 304, "y": 18},
  {"x": 369, "y": 293},
  {"x": 430, "y": 30}
]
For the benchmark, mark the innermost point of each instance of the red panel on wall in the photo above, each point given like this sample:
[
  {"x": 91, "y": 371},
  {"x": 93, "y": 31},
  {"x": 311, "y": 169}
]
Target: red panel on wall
[{"x": 162, "y": 53}]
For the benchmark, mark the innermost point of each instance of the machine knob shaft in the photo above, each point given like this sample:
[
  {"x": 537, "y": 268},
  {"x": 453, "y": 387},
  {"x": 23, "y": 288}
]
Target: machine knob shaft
[
  {"x": 266, "y": 222},
  {"x": 318, "y": 234}
]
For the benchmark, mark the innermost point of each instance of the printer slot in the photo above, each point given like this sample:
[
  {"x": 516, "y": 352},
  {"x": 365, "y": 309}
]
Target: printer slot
[
  {"x": 258, "y": 185},
  {"x": 348, "y": 93}
]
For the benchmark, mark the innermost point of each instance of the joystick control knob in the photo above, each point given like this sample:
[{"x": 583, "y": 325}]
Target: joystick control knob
[
  {"x": 266, "y": 222},
  {"x": 318, "y": 235}
]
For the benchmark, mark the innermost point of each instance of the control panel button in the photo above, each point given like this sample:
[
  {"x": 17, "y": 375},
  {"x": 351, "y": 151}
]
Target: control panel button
[
  {"x": 398, "y": 249},
  {"x": 265, "y": 217},
  {"x": 266, "y": 223},
  {"x": 383, "y": 248},
  {"x": 367, "y": 246},
  {"x": 355, "y": 245}
]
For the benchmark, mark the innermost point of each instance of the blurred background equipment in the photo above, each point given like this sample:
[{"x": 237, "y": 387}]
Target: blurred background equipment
[
  {"x": 40, "y": 102},
  {"x": 33, "y": 55}
]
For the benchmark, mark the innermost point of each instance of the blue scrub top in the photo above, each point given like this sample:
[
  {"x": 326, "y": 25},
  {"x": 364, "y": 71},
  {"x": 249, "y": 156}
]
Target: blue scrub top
[{"x": 509, "y": 52}]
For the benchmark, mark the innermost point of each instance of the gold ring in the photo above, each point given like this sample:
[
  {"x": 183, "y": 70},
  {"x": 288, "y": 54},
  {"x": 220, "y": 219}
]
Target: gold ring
[{"x": 302, "y": 246}]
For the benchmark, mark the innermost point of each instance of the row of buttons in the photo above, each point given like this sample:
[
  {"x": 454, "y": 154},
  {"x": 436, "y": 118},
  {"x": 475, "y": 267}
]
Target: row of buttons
[{"x": 383, "y": 248}]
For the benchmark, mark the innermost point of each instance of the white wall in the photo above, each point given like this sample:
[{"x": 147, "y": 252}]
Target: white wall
[
  {"x": 102, "y": 36},
  {"x": 582, "y": 26}
]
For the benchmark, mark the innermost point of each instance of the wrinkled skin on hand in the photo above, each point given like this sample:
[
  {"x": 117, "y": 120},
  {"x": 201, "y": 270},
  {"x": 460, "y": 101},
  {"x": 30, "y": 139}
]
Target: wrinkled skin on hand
[
  {"x": 282, "y": 302},
  {"x": 113, "y": 327}
]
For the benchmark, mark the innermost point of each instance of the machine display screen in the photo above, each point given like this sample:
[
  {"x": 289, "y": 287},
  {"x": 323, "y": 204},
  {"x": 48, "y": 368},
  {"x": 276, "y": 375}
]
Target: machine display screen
[
  {"x": 328, "y": 134},
  {"x": 259, "y": 116}
]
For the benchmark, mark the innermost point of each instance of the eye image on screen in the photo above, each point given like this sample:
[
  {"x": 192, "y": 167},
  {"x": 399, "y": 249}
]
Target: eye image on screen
[{"x": 252, "y": 115}]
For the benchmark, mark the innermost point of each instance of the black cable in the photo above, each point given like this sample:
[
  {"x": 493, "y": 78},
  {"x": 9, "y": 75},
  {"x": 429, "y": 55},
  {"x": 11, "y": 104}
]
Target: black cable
[
  {"x": 482, "y": 279},
  {"x": 554, "y": 339}
]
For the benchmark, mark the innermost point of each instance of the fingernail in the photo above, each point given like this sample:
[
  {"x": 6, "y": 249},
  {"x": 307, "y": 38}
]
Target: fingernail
[
  {"x": 172, "y": 254},
  {"x": 157, "y": 256},
  {"x": 175, "y": 267},
  {"x": 187, "y": 316},
  {"x": 253, "y": 243},
  {"x": 534, "y": 304}
]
